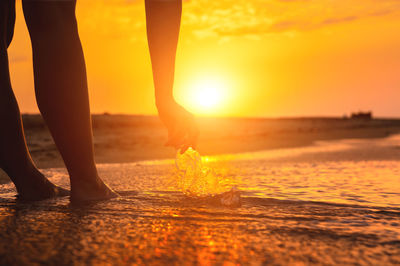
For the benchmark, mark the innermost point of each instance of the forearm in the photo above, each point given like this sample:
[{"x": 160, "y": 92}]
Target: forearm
[{"x": 163, "y": 19}]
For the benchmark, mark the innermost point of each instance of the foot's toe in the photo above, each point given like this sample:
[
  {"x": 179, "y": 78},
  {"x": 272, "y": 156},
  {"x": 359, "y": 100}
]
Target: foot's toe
[
  {"x": 92, "y": 193},
  {"x": 48, "y": 192},
  {"x": 61, "y": 192}
]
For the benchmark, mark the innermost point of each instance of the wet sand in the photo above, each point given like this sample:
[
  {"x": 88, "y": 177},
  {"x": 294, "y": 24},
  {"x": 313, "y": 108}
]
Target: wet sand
[{"x": 331, "y": 203}]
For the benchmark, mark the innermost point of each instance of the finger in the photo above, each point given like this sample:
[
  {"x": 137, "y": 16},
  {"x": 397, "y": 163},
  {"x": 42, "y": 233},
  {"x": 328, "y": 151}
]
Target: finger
[
  {"x": 169, "y": 142},
  {"x": 184, "y": 148},
  {"x": 174, "y": 143},
  {"x": 189, "y": 141},
  {"x": 177, "y": 140},
  {"x": 171, "y": 132}
]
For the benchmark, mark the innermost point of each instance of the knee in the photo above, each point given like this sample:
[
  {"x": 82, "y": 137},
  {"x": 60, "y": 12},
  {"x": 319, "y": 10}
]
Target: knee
[{"x": 49, "y": 19}]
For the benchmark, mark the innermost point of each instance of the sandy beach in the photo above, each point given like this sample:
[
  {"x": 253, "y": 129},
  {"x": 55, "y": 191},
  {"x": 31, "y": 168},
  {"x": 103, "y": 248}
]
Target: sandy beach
[{"x": 129, "y": 138}]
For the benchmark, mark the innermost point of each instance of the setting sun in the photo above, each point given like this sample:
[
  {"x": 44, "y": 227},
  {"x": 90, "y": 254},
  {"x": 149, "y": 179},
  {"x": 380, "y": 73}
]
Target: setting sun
[{"x": 206, "y": 95}]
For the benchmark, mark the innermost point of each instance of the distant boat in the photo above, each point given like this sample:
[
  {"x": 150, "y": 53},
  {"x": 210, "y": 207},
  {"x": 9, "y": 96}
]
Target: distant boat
[{"x": 362, "y": 115}]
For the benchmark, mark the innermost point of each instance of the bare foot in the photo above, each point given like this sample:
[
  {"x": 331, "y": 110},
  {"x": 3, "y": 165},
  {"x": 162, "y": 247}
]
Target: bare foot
[
  {"x": 83, "y": 191},
  {"x": 35, "y": 186},
  {"x": 52, "y": 191}
]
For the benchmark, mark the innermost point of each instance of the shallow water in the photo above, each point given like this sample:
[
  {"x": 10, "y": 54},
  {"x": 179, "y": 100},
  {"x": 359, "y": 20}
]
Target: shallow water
[{"x": 330, "y": 203}]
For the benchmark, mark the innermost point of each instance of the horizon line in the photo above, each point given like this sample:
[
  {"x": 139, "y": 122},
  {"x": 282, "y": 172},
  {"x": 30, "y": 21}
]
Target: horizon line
[{"x": 239, "y": 117}]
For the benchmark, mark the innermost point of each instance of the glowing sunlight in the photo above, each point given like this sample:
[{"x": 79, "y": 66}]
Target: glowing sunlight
[{"x": 206, "y": 95}]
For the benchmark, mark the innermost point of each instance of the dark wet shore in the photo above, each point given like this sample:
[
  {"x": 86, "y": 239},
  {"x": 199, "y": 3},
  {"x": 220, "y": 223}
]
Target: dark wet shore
[
  {"x": 333, "y": 203},
  {"x": 137, "y": 230}
]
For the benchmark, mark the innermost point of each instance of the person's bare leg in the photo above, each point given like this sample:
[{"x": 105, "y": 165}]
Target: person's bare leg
[
  {"x": 15, "y": 159},
  {"x": 62, "y": 93}
]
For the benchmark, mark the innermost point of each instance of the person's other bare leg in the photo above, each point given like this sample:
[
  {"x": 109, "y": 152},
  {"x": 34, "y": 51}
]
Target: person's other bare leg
[
  {"x": 15, "y": 159},
  {"x": 62, "y": 93}
]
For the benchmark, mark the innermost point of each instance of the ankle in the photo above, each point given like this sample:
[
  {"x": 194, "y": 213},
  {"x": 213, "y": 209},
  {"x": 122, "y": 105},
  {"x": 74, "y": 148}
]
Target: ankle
[
  {"x": 89, "y": 175},
  {"x": 93, "y": 182},
  {"x": 23, "y": 175}
]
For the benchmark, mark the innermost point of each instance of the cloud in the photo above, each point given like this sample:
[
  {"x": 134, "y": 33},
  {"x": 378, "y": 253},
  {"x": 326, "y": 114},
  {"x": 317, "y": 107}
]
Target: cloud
[
  {"x": 339, "y": 20},
  {"x": 209, "y": 18},
  {"x": 112, "y": 19},
  {"x": 261, "y": 17}
]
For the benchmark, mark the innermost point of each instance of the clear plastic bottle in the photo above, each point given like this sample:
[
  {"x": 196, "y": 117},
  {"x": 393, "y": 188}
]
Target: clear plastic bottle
[{"x": 195, "y": 179}]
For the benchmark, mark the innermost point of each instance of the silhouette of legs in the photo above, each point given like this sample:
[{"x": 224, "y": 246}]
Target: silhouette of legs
[
  {"x": 15, "y": 159},
  {"x": 62, "y": 93}
]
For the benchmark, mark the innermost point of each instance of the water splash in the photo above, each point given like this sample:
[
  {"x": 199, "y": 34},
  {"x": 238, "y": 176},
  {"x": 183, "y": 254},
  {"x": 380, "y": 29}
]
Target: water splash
[{"x": 196, "y": 179}]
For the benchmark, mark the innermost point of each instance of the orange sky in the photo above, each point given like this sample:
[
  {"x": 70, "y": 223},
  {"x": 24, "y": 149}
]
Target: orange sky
[{"x": 264, "y": 57}]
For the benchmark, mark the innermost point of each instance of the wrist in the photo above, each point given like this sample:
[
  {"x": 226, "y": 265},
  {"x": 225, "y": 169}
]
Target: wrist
[{"x": 162, "y": 101}]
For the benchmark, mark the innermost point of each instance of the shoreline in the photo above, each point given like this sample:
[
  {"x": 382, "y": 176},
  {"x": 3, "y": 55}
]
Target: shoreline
[{"x": 129, "y": 138}]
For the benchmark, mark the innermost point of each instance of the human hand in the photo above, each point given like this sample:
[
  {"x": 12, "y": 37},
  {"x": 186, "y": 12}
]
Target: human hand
[{"x": 182, "y": 129}]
